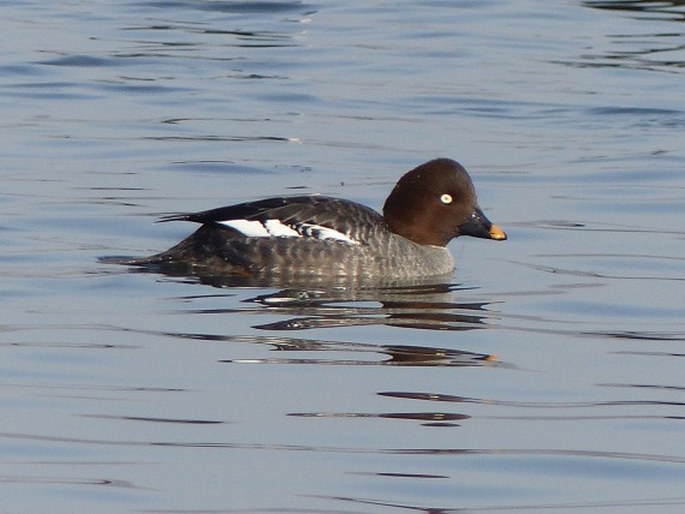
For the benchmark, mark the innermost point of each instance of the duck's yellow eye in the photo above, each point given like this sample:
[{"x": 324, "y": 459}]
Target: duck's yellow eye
[{"x": 446, "y": 198}]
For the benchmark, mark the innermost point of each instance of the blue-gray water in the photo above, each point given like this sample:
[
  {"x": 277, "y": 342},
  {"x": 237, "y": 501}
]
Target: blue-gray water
[{"x": 547, "y": 377}]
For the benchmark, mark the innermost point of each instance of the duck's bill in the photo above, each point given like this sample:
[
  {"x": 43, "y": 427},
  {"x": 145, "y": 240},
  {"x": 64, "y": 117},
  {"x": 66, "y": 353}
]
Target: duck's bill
[
  {"x": 479, "y": 226},
  {"x": 497, "y": 233}
]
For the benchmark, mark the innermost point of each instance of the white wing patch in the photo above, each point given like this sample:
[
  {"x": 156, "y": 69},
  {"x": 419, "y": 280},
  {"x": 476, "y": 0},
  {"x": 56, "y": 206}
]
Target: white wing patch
[
  {"x": 321, "y": 232},
  {"x": 279, "y": 229},
  {"x": 248, "y": 228},
  {"x": 276, "y": 228}
]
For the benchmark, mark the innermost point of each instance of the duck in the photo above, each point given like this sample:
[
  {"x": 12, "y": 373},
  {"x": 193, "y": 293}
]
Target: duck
[{"x": 290, "y": 237}]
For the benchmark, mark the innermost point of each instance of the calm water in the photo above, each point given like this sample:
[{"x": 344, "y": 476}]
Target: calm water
[{"x": 548, "y": 376}]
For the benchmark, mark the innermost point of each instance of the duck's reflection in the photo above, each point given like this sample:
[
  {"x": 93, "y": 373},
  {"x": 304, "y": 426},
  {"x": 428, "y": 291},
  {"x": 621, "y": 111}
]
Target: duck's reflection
[
  {"x": 363, "y": 354},
  {"x": 317, "y": 303},
  {"x": 301, "y": 305},
  {"x": 418, "y": 307}
]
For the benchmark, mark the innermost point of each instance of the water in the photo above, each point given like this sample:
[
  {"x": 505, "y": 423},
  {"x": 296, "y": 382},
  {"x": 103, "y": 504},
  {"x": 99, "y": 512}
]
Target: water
[{"x": 546, "y": 377}]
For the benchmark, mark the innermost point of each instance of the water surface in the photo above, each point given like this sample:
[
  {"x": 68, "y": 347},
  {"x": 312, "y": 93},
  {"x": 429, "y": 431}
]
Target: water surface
[{"x": 545, "y": 376}]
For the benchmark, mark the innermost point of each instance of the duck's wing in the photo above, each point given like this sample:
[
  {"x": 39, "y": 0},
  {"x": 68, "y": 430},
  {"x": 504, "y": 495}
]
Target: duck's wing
[{"x": 318, "y": 217}]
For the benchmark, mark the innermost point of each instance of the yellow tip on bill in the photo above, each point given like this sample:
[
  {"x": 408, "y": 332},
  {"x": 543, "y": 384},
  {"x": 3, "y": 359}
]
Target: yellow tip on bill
[{"x": 497, "y": 233}]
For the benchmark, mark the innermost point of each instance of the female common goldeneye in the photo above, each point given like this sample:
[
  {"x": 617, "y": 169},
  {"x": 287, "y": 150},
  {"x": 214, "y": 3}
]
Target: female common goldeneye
[{"x": 317, "y": 236}]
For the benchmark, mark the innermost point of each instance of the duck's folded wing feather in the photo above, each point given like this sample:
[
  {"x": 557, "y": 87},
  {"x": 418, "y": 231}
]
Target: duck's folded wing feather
[{"x": 307, "y": 215}]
